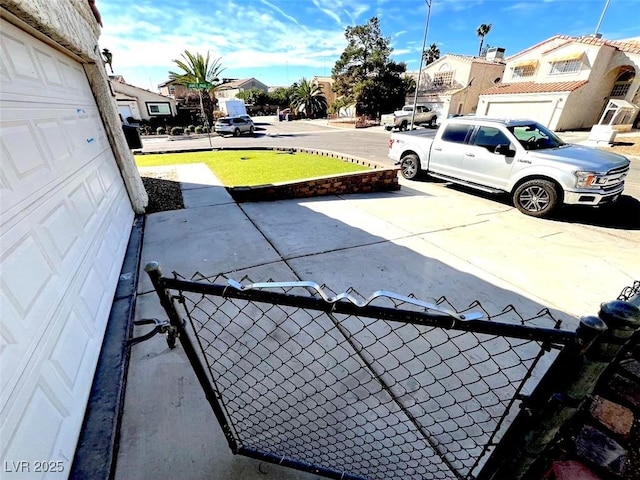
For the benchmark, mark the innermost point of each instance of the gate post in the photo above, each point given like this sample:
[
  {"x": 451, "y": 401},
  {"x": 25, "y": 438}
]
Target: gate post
[
  {"x": 562, "y": 391},
  {"x": 166, "y": 300}
]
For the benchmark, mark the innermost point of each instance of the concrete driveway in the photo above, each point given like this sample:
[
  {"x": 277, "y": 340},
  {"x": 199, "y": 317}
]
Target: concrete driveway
[{"x": 428, "y": 239}]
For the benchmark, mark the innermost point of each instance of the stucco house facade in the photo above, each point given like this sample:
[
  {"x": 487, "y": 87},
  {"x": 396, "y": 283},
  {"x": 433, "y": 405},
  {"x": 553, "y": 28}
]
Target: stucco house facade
[
  {"x": 232, "y": 88},
  {"x": 453, "y": 83},
  {"x": 566, "y": 82},
  {"x": 325, "y": 83},
  {"x": 69, "y": 191},
  {"x": 139, "y": 103}
]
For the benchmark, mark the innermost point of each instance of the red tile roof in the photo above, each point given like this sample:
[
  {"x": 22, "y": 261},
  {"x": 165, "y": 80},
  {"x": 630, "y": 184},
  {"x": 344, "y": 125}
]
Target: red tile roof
[
  {"x": 532, "y": 87},
  {"x": 629, "y": 46},
  {"x": 469, "y": 58}
]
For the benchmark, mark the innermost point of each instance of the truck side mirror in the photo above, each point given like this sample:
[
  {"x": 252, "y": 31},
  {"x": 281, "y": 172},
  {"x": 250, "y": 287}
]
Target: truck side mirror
[{"x": 503, "y": 149}]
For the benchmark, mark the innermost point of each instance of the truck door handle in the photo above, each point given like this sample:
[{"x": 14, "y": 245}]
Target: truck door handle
[
  {"x": 469, "y": 154},
  {"x": 438, "y": 148}
]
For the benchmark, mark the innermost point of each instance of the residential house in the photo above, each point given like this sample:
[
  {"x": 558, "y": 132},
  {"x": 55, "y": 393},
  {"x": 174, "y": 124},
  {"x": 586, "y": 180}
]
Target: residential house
[
  {"x": 173, "y": 90},
  {"x": 231, "y": 88},
  {"x": 70, "y": 192},
  {"x": 326, "y": 83},
  {"x": 453, "y": 83},
  {"x": 140, "y": 104},
  {"x": 566, "y": 82}
]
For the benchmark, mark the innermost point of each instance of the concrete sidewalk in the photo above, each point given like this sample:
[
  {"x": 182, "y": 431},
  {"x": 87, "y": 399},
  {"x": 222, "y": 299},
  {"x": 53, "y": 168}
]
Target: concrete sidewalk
[{"x": 422, "y": 239}]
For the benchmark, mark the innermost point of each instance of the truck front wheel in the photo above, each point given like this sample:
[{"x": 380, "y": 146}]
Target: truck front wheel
[
  {"x": 537, "y": 198},
  {"x": 410, "y": 166},
  {"x": 403, "y": 126}
]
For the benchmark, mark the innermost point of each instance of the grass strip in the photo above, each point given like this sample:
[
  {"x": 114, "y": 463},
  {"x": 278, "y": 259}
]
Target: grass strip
[{"x": 235, "y": 168}]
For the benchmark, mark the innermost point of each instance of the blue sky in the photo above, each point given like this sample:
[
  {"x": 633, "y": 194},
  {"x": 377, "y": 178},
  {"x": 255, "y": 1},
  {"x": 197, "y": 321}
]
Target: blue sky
[{"x": 280, "y": 41}]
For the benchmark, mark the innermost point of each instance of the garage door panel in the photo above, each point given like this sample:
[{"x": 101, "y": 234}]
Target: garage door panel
[
  {"x": 30, "y": 73},
  {"x": 38, "y": 279},
  {"x": 39, "y": 154},
  {"x": 64, "y": 227},
  {"x": 539, "y": 111},
  {"x": 51, "y": 70},
  {"x": 22, "y": 66},
  {"x": 70, "y": 350}
]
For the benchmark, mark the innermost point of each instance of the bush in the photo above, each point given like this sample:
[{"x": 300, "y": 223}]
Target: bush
[
  {"x": 177, "y": 131},
  {"x": 191, "y": 128},
  {"x": 160, "y": 130},
  {"x": 198, "y": 129}
]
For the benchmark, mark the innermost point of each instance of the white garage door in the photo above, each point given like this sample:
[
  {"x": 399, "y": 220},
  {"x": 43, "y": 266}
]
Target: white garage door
[
  {"x": 539, "y": 111},
  {"x": 64, "y": 224}
]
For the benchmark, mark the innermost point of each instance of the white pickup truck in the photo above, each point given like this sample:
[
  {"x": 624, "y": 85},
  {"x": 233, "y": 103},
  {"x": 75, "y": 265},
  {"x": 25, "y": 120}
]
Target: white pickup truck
[
  {"x": 520, "y": 157},
  {"x": 401, "y": 119}
]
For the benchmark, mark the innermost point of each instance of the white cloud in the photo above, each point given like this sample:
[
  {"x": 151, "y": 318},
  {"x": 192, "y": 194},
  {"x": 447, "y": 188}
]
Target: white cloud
[
  {"x": 279, "y": 10},
  {"x": 327, "y": 11}
]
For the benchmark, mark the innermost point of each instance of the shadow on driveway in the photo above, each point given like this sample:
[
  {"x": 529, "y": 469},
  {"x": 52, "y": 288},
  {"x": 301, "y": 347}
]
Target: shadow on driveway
[{"x": 624, "y": 214}]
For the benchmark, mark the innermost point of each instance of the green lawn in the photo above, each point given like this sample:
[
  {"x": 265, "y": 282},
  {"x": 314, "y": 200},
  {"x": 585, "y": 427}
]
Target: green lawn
[{"x": 255, "y": 167}]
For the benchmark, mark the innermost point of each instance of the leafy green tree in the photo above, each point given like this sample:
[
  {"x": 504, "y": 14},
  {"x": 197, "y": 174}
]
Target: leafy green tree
[
  {"x": 199, "y": 69},
  {"x": 307, "y": 97},
  {"x": 365, "y": 75},
  {"x": 254, "y": 96},
  {"x": 281, "y": 97},
  {"x": 431, "y": 55},
  {"x": 482, "y": 32}
]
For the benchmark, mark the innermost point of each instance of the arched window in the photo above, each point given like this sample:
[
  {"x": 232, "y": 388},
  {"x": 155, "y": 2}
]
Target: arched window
[
  {"x": 622, "y": 84},
  {"x": 444, "y": 77}
]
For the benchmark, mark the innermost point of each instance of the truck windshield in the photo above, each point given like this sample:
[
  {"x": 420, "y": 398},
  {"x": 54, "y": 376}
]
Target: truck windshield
[{"x": 536, "y": 137}]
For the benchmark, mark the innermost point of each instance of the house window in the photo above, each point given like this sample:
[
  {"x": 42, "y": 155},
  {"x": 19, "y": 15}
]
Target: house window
[
  {"x": 623, "y": 84},
  {"x": 172, "y": 89},
  {"x": 443, "y": 79},
  {"x": 523, "y": 71},
  {"x": 565, "y": 66},
  {"x": 158, "y": 108}
]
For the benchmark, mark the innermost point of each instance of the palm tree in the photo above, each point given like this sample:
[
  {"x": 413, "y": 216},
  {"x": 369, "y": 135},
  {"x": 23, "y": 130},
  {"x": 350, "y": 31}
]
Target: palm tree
[
  {"x": 431, "y": 55},
  {"x": 198, "y": 69},
  {"x": 482, "y": 31},
  {"x": 308, "y": 98}
]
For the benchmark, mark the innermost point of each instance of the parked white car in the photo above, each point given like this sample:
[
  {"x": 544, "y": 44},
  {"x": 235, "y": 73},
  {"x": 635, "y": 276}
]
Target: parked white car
[
  {"x": 234, "y": 126},
  {"x": 520, "y": 157}
]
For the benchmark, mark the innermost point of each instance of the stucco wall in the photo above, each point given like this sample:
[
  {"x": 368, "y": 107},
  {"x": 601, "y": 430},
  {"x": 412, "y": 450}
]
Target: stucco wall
[
  {"x": 72, "y": 25},
  {"x": 583, "y": 107},
  {"x": 482, "y": 76},
  {"x": 142, "y": 97}
]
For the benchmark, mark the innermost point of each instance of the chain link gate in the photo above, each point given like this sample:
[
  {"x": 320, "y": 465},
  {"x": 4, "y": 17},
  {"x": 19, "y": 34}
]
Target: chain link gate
[{"x": 383, "y": 388}]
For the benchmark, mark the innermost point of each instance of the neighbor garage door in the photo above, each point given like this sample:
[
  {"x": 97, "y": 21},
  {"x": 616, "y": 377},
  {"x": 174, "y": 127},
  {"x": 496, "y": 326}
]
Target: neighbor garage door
[
  {"x": 539, "y": 111},
  {"x": 64, "y": 225}
]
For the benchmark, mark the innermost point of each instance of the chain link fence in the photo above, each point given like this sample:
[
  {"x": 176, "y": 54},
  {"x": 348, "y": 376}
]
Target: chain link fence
[{"x": 385, "y": 387}]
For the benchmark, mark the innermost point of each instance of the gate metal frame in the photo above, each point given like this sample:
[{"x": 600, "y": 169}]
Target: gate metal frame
[{"x": 429, "y": 315}]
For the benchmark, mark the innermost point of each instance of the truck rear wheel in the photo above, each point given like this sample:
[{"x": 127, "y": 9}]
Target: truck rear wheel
[
  {"x": 537, "y": 198},
  {"x": 410, "y": 166}
]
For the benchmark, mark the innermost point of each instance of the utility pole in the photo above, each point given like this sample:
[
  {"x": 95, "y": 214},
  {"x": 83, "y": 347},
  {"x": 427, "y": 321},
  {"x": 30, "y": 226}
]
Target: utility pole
[
  {"x": 424, "y": 44},
  {"x": 606, "y": 5}
]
